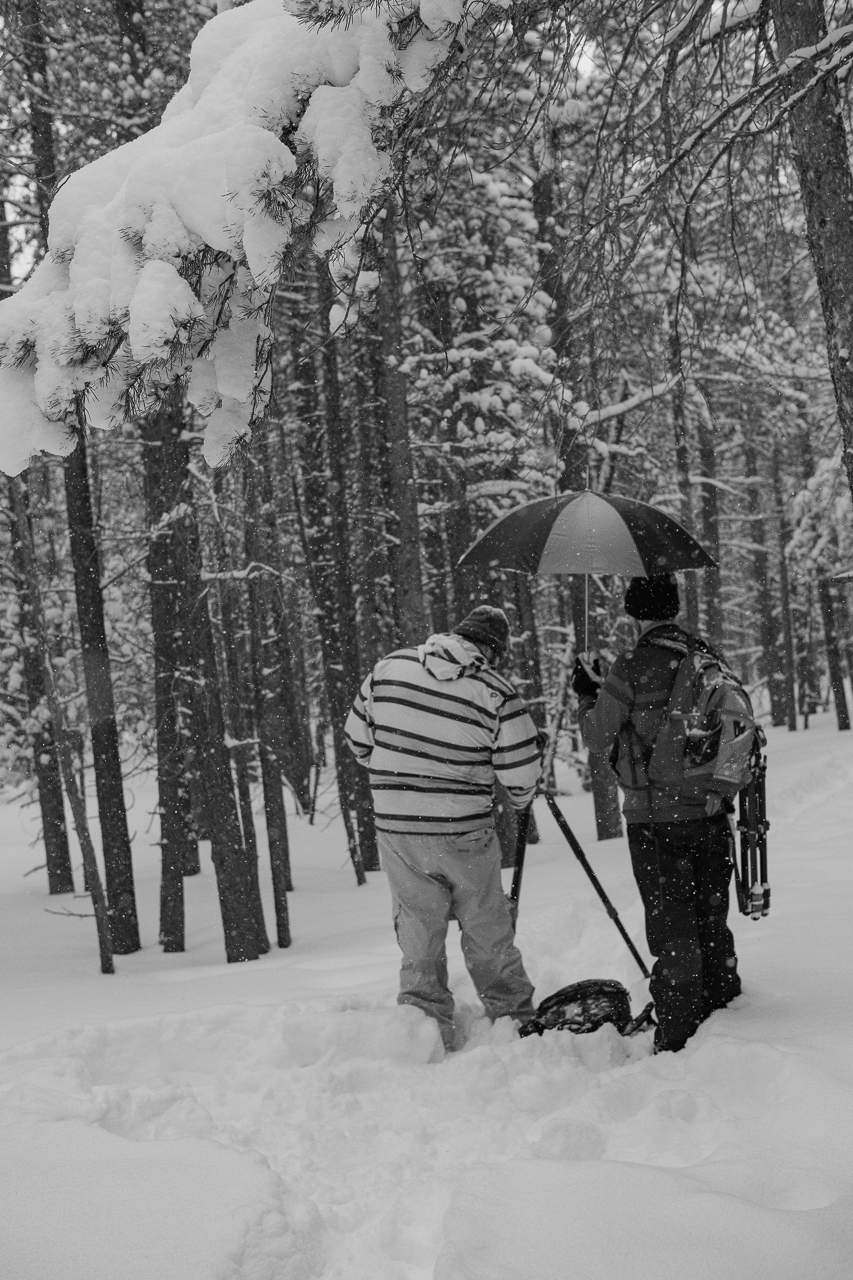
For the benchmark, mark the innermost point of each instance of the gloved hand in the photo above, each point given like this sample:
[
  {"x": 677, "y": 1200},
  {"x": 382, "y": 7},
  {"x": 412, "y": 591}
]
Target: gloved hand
[{"x": 586, "y": 676}]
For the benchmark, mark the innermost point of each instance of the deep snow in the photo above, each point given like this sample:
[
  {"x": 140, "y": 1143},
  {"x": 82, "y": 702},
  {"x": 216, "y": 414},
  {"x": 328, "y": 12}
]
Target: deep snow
[{"x": 190, "y": 1120}]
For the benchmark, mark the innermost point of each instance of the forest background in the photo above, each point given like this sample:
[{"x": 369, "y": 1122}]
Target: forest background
[{"x": 614, "y": 250}]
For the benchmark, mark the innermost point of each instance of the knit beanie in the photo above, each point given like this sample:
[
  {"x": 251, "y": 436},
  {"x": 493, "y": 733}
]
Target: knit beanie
[
  {"x": 653, "y": 599},
  {"x": 485, "y": 625}
]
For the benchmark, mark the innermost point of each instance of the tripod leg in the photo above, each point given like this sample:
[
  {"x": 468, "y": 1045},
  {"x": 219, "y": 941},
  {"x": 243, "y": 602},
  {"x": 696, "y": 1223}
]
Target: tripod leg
[
  {"x": 574, "y": 845},
  {"x": 763, "y": 824}
]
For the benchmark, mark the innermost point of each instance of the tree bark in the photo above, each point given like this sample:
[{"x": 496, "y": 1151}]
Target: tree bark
[
  {"x": 709, "y": 517},
  {"x": 118, "y": 865},
  {"x": 833, "y": 652},
  {"x": 336, "y": 453},
  {"x": 76, "y": 799},
  {"x": 784, "y": 595},
  {"x": 166, "y": 459},
  {"x": 605, "y": 792},
  {"x": 404, "y": 536},
  {"x": 822, "y": 161},
  {"x": 324, "y": 530},
  {"x": 237, "y": 715},
  {"x": 34, "y": 47},
  {"x": 769, "y": 668},
  {"x": 288, "y": 711},
  {"x": 264, "y": 707},
  {"x": 60, "y": 877},
  {"x": 459, "y": 536},
  {"x": 375, "y": 607},
  {"x": 131, "y": 24},
  {"x": 233, "y": 878},
  {"x": 678, "y": 402}
]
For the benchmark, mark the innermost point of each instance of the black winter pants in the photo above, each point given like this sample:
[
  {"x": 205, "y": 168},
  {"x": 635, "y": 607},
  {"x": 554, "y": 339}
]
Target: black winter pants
[{"x": 683, "y": 870}]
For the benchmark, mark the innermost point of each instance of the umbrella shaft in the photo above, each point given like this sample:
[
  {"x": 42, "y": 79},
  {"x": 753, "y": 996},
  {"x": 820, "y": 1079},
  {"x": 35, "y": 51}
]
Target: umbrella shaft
[{"x": 586, "y": 613}]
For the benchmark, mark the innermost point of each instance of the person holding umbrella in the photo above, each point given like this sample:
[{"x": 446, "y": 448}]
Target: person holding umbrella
[
  {"x": 436, "y": 725},
  {"x": 679, "y": 843}
]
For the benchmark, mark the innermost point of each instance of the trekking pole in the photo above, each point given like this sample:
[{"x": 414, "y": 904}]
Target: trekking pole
[
  {"x": 582, "y": 859},
  {"x": 520, "y": 850}
]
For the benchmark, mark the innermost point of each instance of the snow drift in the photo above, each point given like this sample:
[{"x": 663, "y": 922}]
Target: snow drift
[{"x": 284, "y": 1119}]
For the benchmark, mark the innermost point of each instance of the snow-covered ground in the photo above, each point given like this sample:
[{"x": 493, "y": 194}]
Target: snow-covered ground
[{"x": 190, "y": 1120}]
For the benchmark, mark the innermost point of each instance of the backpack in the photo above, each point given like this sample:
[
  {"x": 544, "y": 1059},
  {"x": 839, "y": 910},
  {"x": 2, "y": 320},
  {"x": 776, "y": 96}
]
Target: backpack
[{"x": 708, "y": 731}]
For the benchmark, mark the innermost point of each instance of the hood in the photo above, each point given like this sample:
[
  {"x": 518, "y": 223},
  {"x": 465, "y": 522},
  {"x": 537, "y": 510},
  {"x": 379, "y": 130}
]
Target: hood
[{"x": 449, "y": 657}]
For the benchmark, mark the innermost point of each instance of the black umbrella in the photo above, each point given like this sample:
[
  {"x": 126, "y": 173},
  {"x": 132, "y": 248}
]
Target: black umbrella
[
  {"x": 588, "y": 533},
  {"x": 585, "y": 532}
]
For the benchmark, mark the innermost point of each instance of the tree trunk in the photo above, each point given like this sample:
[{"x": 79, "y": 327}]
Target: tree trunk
[
  {"x": 678, "y": 402},
  {"x": 166, "y": 459},
  {"x": 239, "y": 918},
  {"x": 605, "y": 792},
  {"x": 769, "y": 667},
  {"x": 376, "y": 620},
  {"x": 826, "y": 188},
  {"x": 60, "y": 877},
  {"x": 324, "y": 531},
  {"x": 287, "y": 708},
  {"x": 709, "y": 517},
  {"x": 344, "y": 594},
  {"x": 264, "y": 705},
  {"x": 131, "y": 24},
  {"x": 833, "y": 652},
  {"x": 784, "y": 595},
  {"x": 459, "y": 536},
  {"x": 210, "y": 763},
  {"x": 76, "y": 799},
  {"x": 404, "y": 539},
  {"x": 118, "y": 865},
  {"x": 34, "y": 46},
  {"x": 805, "y": 649},
  {"x": 237, "y": 716},
  {"x": 527, "y": 641}
]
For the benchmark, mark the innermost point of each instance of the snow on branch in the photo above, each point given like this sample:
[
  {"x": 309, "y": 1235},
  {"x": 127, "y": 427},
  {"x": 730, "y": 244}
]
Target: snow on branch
[
  {"x": 706, "y": 21},
  {"x": 586, "y": 417},
  {"x": 759, "y": 108},
  {"x": 164, "y": 254}
]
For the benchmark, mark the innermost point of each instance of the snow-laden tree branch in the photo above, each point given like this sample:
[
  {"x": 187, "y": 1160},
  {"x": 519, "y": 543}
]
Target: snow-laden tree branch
[{"x": 164, "y": 254}]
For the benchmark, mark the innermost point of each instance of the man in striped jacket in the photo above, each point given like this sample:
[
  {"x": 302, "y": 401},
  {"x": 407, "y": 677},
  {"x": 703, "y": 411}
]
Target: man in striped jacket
[{"x": 435, "y": 725}]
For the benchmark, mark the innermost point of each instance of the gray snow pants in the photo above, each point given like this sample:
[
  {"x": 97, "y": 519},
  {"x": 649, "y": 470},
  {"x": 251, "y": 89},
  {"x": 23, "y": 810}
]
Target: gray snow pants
[{"x": 430, "y": 877}]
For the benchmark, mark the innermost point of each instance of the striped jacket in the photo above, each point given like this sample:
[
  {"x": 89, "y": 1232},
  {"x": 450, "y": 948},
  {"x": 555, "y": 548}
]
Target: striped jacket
[{"x": 435, "y": 725}]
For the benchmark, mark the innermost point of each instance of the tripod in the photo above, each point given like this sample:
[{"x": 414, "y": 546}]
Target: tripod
[{"x": 751, "y": 884}]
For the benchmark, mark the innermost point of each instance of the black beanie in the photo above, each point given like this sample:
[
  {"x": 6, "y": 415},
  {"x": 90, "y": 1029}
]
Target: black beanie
[
  {"x": 485, "y": 625},
  {"x": 653, "y": 599}
]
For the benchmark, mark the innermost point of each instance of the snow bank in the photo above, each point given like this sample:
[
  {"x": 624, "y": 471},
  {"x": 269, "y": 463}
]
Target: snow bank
[
  {"x": 285, "y": 1119},
  {"x": 602, "y": 1221},
  {"x": 183, "y": 232},
  {"x": 147, "y": 1210}
]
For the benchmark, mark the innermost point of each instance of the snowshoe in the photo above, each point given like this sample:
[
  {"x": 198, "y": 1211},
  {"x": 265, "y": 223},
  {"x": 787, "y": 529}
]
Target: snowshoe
[{"x": 584, "y": 1007}]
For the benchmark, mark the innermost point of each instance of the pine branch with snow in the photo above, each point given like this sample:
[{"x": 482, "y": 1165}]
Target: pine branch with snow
[{"x": 164, "y": 254}]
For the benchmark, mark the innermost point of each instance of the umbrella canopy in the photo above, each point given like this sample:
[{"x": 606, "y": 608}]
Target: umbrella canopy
[{"x": 588, "y": 533}]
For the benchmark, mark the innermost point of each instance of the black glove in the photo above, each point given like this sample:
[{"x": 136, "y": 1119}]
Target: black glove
[{"x": 586, "y": 676}]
